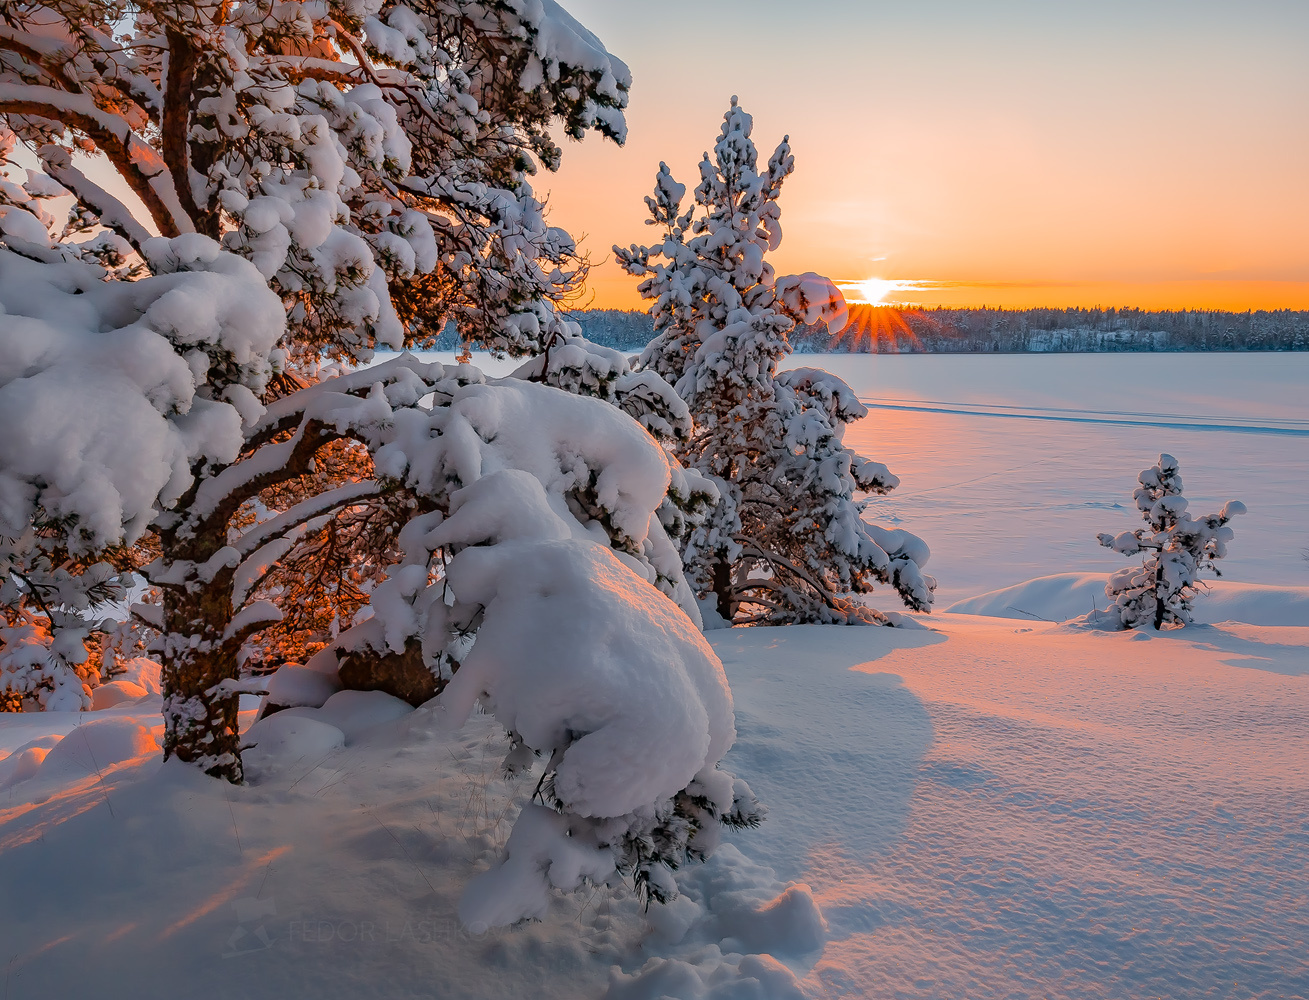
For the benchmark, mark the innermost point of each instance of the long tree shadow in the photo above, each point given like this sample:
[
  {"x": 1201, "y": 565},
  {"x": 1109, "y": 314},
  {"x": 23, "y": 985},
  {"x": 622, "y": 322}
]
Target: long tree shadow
[
  {"x": 1254, "y": 648},
  {"x": 834, "y": 757}
]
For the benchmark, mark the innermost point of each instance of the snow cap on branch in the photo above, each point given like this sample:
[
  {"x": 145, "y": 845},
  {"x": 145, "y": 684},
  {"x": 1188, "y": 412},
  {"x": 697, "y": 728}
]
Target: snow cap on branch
[{"x": 110, "y": 391}]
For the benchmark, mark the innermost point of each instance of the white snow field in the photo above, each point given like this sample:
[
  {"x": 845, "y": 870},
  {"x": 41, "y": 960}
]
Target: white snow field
[{"x": 984, "y": 807}]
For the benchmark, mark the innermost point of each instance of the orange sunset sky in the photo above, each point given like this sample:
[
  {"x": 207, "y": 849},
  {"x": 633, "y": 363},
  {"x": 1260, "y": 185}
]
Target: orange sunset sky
[{"x": 1150, "y": 153}]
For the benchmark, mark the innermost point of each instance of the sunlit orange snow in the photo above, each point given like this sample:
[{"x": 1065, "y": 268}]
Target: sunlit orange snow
[{"x": 1047, "y": 800}]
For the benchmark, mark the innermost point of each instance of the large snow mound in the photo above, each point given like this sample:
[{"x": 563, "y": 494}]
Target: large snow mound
[
  {"x": 337, "y": 872},
  {"x": 1068, "y": 595},
  {"x": 624, "y": 668}
]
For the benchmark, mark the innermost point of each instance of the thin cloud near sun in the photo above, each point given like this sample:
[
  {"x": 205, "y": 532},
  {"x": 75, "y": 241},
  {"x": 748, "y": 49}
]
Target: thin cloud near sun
[{"x": 874, "y": 291}]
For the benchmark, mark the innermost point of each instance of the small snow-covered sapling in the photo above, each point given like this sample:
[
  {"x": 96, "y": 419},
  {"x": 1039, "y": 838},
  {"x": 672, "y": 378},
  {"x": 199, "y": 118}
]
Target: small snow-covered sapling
[{"x": 1176, "y": 547}]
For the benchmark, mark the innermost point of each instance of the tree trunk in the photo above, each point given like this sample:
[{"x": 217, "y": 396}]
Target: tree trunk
[
  {"x": 401, "y": 675},
  {"x": 722, "y": 582},
  {"x": 1158, "y": 593},
  {"x": 200, "y": 724},
  {"x": 200, "y": 717}
]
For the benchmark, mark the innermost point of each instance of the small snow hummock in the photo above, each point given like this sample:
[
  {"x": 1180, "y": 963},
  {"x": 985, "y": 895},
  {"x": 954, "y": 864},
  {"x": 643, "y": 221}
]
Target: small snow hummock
[
  {"x": 292, "y": 685},
  {"x": 734, "y": 931},
  {"x": 626, "y": 689},
  {"x": 96, "y": 745},
  {"x": 286, "y": 735}
]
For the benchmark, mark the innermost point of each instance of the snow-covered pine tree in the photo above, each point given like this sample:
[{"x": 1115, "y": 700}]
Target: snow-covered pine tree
[
  {"x": 371, "y": 161},
  {"x": 1176, "y": 548},
  {"x": 327, "y": 178},
  {"x": 786, "y": 542}
]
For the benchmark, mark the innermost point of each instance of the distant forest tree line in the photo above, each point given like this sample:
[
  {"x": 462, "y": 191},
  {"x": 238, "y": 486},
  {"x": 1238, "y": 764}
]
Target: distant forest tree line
[{"x": 893, "y": 330}]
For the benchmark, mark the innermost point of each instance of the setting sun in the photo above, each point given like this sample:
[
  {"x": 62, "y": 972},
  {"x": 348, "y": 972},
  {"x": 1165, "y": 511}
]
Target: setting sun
[{"x": 870, "y": 291}]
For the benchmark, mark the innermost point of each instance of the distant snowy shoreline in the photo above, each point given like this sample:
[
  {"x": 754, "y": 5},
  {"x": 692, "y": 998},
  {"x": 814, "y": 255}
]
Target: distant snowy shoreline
[{"x": 891, "y": 330}]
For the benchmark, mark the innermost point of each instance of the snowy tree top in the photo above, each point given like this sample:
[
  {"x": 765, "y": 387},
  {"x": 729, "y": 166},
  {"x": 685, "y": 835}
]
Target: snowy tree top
[{"x": 371, "y": 158}]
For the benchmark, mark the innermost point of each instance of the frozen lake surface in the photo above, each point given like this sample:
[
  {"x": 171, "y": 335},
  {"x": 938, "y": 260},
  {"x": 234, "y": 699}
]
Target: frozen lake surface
[{"x": 1010, "y": 465}]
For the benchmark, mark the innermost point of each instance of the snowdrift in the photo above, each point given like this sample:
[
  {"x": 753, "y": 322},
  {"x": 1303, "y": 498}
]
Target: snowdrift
[
  {"x": 338, "y": 870},
  {"x": 1068, "y": 595}
]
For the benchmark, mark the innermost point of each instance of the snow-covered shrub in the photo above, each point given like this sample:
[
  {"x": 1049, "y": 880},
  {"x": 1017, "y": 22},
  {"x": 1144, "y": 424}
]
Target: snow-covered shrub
[
  {"x": 51, "y": 637},
  {"x": 1176, "y": 548},
  {"x": 38, "y": 669},
  {"x": 526, "y": 585},
  {"x": 785, "y": 542}
]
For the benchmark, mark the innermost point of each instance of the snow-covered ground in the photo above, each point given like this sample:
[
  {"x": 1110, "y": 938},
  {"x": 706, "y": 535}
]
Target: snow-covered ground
[
  {"x": 997, "y": 809},
  {"x": 988, "y": 807}
]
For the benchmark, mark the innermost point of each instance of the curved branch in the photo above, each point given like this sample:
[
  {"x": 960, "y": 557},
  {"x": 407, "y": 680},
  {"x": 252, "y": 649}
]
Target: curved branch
[
  {"x": 218, "y": 498},
  {"x": 111, "y": 133},
  {"x": 293, "y": 517},
  {"x": 759, "y": 552},
  {"x": 44, "y": 61},
  {"x": 113, "y": 213}
]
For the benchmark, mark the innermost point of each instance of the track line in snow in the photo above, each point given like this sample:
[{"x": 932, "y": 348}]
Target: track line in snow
[{"x": 1120, "y": 418}]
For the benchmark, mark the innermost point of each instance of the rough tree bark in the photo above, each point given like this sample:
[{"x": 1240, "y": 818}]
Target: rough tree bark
[
  {"x": 200, "y": 646},
  {"x": 200, "y": 724}
]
